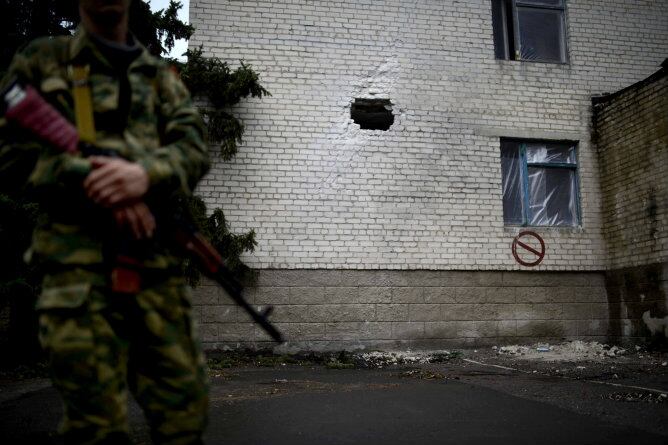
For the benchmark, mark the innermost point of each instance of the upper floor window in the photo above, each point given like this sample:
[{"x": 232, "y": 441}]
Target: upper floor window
[
  {"x": 530, "y": 30},
  {"x": 540, "y": 183}
]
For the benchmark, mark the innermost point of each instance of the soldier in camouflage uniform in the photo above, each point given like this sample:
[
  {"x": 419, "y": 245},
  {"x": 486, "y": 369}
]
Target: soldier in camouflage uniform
[{"x": 101, "y": 342}]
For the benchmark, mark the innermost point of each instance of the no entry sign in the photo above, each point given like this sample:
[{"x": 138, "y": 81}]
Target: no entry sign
[{"x": 526, "y": 250}]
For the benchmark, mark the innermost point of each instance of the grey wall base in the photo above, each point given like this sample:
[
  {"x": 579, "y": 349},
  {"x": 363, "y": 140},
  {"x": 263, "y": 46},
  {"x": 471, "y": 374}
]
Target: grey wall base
[
  {"x": 637, "y": 300},
  {"x": 325, "y": 310}
]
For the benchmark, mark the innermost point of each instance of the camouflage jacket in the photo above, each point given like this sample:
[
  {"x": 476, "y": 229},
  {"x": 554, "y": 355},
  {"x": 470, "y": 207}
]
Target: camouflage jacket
[{"x": 161, "y": 130}]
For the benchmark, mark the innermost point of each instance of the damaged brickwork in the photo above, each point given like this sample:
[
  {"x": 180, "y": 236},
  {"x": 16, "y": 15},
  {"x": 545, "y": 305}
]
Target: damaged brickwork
[
  {"x": 631, "y": 131},
  {"x": 396, "y": 238}
]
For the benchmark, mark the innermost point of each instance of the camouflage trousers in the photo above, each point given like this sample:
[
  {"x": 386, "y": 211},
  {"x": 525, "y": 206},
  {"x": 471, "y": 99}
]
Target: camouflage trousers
[{"x": 101, "y": 344}]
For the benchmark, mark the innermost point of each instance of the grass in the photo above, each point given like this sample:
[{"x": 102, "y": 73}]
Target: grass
[{"x": 234, "y": 359}]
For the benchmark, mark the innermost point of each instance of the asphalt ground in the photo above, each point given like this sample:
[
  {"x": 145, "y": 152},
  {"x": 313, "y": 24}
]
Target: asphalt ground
[{"x": 470, "y": 399}]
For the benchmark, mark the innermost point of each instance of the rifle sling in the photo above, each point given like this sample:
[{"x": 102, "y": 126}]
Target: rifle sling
[
  {"x": 83, "y": 103},
  {"x": 125, "y": 278}
]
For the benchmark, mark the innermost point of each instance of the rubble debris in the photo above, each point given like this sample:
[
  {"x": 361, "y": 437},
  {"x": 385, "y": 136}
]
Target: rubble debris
[
  {"x": 647, "y": 397},
  {"x": 220, "y": 360},
  {"x": 613, "y": 351},
  {"x": 567, "y": 351},
  {"x": 379, "y": 359},
  {"x": 513, "y": 350}
]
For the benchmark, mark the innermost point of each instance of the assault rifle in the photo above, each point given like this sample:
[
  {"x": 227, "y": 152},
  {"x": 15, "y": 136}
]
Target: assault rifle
[{"x": 25, "y": 107}]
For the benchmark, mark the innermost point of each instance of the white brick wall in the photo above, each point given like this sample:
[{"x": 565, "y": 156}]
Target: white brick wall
[{"x": 426, "y": 194}]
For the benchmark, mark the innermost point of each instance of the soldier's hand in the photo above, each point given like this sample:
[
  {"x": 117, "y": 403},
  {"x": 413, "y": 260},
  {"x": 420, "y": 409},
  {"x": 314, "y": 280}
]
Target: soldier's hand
[
  {"x": 137, "y": 218},
  {"x": 115, "y": 181}
]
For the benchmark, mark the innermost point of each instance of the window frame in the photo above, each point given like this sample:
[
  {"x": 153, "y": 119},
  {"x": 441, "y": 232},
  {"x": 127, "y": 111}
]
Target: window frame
[
  {"x": 524, "y": 178},
  {"x": 512, "y": 24}
]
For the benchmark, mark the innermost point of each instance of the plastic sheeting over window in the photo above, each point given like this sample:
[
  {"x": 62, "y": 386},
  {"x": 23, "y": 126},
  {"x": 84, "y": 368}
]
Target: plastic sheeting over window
[
  {"x": 541, "y": 34},
  {"x": 540, "y": 184},
  {"x": 552, "y": 197},
  {"x": 513, "y": 201},
  {"x": 546, "y": 152}
]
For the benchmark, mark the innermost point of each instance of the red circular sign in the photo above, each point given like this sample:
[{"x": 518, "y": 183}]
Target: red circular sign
[{"x": 517, "y": 242}]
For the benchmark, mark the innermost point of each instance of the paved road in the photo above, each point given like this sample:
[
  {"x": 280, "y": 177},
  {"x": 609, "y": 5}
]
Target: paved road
[{"x": 456, "y": 403}]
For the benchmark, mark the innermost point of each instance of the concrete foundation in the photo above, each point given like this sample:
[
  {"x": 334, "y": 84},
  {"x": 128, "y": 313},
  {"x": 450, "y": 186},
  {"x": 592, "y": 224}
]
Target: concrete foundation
[{"x": 362, "y": 309}]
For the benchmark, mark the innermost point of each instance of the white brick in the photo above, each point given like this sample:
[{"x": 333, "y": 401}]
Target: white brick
[{"x": 320, "y": 193}]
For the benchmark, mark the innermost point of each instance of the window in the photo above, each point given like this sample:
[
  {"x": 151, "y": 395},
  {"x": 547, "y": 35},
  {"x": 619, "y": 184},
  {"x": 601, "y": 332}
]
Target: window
[
  {"x": 540, "y": 183},
  {"x": 529, "y": 30}
]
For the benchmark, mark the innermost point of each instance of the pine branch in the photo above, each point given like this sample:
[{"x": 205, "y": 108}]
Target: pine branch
[
  {"x": 211, "y": 78},
  {"x": 230, "y": 245}
]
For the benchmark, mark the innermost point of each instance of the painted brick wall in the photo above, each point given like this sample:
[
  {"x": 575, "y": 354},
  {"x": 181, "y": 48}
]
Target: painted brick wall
[{"x": 426, "y": 194}]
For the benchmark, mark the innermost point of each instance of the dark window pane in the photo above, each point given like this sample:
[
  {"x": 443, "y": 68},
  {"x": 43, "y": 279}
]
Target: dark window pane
[
  {"x": 544, "y": 152},
  {"x": 552, "y": 197},
  {"x": 540, "y": 34},
  {"x": 500, "y": 30},
  {"x": 511, "y": 171},
  {"x": 541, "y": 2}
]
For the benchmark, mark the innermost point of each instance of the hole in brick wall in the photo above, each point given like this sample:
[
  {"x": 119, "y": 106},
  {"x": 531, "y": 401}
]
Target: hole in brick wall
[{"x": 372, "y": 114}]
